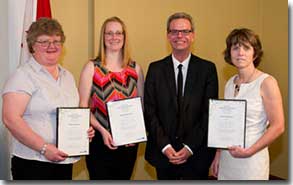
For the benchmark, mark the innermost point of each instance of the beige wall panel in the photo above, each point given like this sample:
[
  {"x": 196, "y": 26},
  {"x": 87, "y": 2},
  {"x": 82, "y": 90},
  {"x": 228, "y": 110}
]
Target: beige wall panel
[
  {"x": 73, "y": 15},
  {"x": 275, "y": 44},
  {"x": 146, "y": 22}
]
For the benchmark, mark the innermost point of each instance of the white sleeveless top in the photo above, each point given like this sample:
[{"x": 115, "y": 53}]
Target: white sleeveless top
[{"x": 255, "y": 167}]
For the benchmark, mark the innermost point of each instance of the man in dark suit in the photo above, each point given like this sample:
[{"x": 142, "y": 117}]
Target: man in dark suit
[{"x": 176, "y": 107}]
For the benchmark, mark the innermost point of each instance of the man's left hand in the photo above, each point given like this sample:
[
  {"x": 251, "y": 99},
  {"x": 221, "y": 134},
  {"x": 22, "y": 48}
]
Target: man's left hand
[{"x": 181, "y": 156}]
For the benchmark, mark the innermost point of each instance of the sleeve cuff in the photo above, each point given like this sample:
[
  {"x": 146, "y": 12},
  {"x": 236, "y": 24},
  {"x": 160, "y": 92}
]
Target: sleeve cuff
[
  {"x": 188, "y": 148},
  {"x": 165, "y": 148}
]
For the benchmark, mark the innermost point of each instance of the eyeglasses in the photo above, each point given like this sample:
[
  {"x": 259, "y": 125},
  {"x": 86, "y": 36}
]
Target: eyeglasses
[
  {"x": 111, "y": 34},
  {"x": 176, "y": 32},
  {"x": 46, "y": 43}
]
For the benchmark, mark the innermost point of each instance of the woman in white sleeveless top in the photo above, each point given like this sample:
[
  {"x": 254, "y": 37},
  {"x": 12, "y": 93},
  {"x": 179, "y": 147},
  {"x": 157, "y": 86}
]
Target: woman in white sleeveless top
[{"x": 265, "y": 117}]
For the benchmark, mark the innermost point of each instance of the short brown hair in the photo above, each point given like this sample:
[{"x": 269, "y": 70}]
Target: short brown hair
[
  {"x": 242, "y": 36},
  {"x": 43, "y": 26}
]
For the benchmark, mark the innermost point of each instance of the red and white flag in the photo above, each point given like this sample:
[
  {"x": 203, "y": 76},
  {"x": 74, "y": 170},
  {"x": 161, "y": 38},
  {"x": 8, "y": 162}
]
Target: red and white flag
[
  {"x": 29, "y": 17},
  {"x": 43, "y": 9},
  {"x": 21, "y": 14}
]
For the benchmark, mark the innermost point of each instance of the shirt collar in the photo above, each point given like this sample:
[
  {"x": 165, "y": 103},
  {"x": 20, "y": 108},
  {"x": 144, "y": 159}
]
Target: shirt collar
[
  {"x": 184, "y": 62},
  {"x": 38, "y": 67}
]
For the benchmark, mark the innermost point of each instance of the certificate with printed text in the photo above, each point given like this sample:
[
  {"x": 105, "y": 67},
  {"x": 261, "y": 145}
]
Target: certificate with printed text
[
  {"x": 72, "y": 127},
  {"x": 126, "y": 121},
  {"x": 227, "y": 121}
]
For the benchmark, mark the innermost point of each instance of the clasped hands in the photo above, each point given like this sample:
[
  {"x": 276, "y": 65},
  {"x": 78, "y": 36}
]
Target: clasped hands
[{"x": 179, "y": 157}]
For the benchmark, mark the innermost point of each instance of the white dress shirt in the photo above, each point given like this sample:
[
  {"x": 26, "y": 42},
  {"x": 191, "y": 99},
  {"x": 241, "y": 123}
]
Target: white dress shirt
[{"x": 185, "y": 64}]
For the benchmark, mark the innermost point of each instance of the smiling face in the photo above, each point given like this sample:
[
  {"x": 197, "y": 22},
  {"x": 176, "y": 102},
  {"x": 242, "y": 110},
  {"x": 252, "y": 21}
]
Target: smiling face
[
  {"x": 47, "y": 49},
  {"x": 113, "y": 36},
  {"x": 180, "y": 35}
]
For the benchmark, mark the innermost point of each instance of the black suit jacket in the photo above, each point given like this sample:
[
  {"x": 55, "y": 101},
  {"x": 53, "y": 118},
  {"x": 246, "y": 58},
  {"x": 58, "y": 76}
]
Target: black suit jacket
[{"x": 161, "y": 110}]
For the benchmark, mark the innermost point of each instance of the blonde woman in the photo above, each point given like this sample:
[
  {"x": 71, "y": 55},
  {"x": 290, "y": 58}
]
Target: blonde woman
[{"x": 113, "y": 75}]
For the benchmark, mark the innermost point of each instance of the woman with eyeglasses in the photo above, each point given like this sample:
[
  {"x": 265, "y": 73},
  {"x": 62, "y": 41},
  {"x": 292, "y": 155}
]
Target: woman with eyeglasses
[
  {"x": 112, "y": 75},
  {"x": 30, "y": 98}
]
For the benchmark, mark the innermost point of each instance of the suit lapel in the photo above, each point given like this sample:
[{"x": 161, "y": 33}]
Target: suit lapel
[
  {"x": 170, "y": 76},
  {"x": 191, "y": 76}
]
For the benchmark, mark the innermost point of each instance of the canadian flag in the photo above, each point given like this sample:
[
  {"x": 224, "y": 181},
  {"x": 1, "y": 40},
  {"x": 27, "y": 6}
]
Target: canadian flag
[{"x": 21, "y": 14}]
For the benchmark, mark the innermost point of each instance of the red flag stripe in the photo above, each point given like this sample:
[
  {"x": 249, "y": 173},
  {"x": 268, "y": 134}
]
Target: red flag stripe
[{"x": 43, "y": 9}]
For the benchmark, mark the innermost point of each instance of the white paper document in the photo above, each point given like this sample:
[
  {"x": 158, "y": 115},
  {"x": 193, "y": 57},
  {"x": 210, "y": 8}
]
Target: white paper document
[
  {"x": 72, "y": 127},
  {"x": 126, "y": 121},
  {"x": 227, "y": 121}
]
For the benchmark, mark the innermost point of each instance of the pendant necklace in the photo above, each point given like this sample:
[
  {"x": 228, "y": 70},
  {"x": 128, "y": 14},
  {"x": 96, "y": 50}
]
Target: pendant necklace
[{"x": 237, "y": 85}]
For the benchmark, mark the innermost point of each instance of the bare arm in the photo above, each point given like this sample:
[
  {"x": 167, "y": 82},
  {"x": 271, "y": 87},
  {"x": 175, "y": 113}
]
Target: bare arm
[
  {"x": 84, "y": 89},
  {"x": 215, "y": 164},
  {"x": 274, "y": 108},
  {"x": 140, "y": 81},
  {"x": 12, "y": 118}
]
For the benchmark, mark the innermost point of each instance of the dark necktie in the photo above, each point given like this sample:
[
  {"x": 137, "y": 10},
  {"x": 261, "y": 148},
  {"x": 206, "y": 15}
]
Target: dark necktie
[
  {"x": 178, "y": 129},
  {"x": 179, "y": 85}
]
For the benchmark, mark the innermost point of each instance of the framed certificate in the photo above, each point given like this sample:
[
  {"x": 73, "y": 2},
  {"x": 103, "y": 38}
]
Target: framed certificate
[
  {"x": 227, "y": 122},
  {"x": 72, "y": 126},
  {"x": 126, "y": 121}
]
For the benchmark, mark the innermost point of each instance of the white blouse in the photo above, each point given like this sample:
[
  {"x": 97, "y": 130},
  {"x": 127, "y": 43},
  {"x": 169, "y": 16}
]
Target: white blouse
[{"x": 46, "y": 95}]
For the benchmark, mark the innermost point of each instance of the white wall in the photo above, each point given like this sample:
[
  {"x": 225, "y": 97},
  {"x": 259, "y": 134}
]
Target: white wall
[{"x": 4, "y": 71}]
